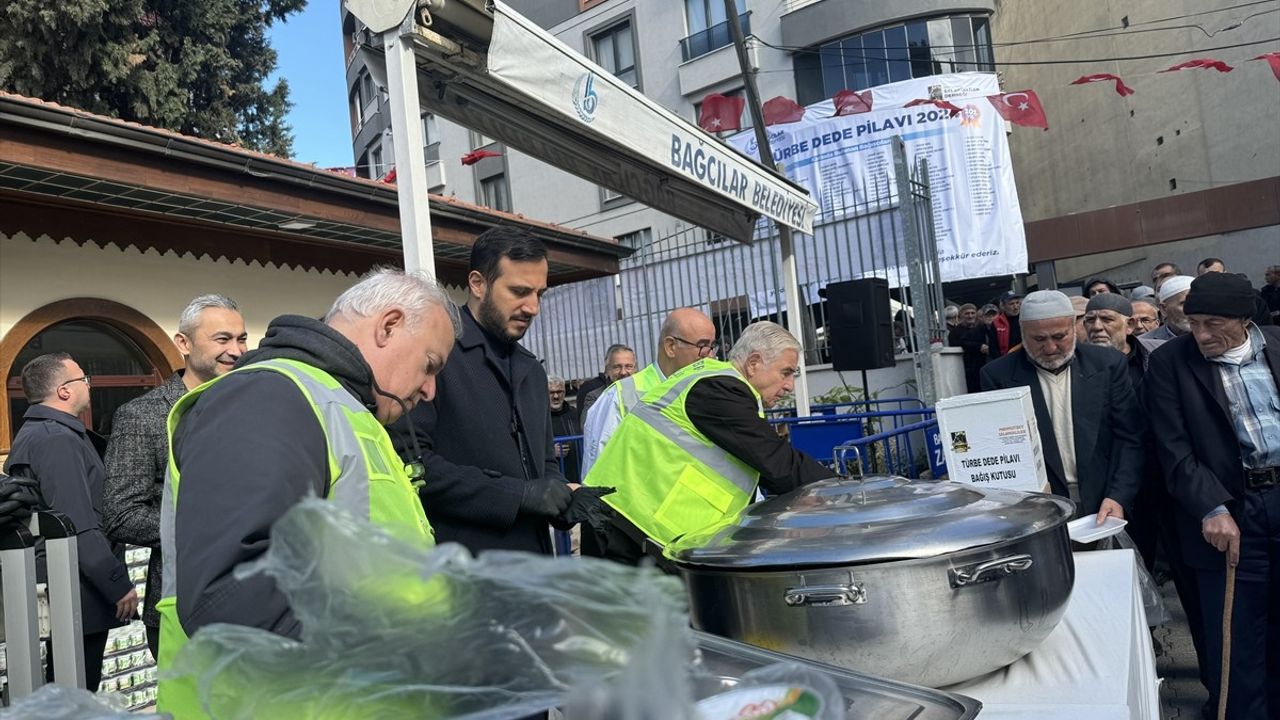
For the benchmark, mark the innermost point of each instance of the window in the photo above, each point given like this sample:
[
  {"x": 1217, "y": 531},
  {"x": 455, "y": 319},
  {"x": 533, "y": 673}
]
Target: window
[
  {"x": 479, "y": 140},
  {"x": 915, "y": 49},
  {"x": 430, "y": 138},
  {"x": 368, "y": 95},
  {"x": 495, "y": 194},
  {"x": 708, "y": 27},
  {"x": 119, "y": 368},
  {"x": 634, "y": 240},
  {"x": 614, "y": 50},
  {"x": 375, "y": 162}
]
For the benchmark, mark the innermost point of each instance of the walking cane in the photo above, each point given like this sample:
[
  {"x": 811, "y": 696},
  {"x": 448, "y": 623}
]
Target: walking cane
[{"x": 1226, "y": 639}]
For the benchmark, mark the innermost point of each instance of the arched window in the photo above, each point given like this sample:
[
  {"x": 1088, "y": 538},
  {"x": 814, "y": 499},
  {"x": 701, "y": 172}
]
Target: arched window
[
  {"x": 125, "y": 352},
  {"x": 118, "y": 367}
]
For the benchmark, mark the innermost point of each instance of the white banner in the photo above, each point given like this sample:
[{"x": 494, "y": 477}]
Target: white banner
[
  {"x": 846, "y": 164},
  {"x": 536, "y": 64}
]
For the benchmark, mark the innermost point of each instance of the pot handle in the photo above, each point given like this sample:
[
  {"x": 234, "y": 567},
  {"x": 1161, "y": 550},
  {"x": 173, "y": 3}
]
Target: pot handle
[
  {"x": 825, "y": 595},
  {"x": 990, "y": 570}
]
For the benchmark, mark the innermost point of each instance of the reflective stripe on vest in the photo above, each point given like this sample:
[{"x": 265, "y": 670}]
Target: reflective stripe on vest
[
  {"x": 366, "y": 478},
  {"x": 633, "y": 387},
  {"x": 698, "y": 483}
]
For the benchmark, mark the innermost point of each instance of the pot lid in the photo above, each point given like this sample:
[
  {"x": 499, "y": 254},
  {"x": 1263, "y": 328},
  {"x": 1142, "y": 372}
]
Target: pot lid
[{"x": 880, "y": 519}]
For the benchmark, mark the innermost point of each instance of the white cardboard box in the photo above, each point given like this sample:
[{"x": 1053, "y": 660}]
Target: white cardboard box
[{"x": 991, "y": 440}]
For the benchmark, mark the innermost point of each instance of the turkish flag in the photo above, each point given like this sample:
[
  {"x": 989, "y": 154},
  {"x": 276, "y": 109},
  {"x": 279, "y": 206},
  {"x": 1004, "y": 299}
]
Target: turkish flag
[
  {"x": 720, "y": 113},
  {"x": 476, "y": 156},
  {"x": 951, "y": 108},
  {"x": 1121, "y": 88},
  {"x": 390, "y": 177},
  {"x": 849, "y": 102},
  {"x": 1021, "y": 108},
  {"x": 1203, "y": 63},
  {"x": 1273, "y": 59},
  {"x": 782, "y": 110}
]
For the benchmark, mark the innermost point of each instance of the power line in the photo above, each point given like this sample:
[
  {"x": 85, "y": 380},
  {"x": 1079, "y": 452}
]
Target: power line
[{"x": 1086, "y": 61}]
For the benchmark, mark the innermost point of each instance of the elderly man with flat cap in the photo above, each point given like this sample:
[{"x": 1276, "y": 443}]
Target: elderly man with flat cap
[
  {"x": 1085, "y": 406},
  {"x": 1214, "y": 404}
]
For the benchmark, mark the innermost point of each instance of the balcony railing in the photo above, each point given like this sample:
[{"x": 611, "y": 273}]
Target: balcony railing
[{"x": 713, "y": 38}]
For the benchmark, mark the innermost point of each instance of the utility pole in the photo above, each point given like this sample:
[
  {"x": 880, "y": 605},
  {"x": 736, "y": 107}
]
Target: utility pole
[{"x": 791, "y": 286}]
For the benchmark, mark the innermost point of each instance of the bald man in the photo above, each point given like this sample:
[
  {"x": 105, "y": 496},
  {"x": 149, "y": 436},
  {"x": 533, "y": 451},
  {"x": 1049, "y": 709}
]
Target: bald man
[{"x": 687, "y": 336}]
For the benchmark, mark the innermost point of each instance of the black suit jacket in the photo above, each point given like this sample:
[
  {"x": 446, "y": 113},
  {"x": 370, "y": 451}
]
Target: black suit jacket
[
  {"x": 1195, "y": 438},
  {"x": 54, "y": 448},
  {"x": 475, "y": 476},
  {"x": 1105, "y": 412}
]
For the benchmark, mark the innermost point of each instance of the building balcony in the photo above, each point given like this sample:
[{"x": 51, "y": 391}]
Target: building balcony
[{"x": 711, "y": 39}]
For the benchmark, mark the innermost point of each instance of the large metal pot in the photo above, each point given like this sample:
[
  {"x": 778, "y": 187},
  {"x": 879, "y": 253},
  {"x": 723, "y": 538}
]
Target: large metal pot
[{"x": 930, "y": 583}]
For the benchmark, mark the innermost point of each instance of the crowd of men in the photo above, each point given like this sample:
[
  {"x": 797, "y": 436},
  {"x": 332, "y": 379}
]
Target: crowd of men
[
  {"x": 1162, "y": 408},
  {"x": 426, "y": 418},
  {"x": 432, "y": 421}
]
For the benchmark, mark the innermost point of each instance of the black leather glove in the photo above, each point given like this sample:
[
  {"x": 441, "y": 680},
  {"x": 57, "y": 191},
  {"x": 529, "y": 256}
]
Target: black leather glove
[
  {"x": 19, "y": 497},
  {"x": 587, "y": 507},
  {"x": 547, "y": 498}
]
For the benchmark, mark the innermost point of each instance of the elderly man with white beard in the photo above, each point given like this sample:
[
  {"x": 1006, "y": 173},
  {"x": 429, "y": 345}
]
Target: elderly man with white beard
[{"x": 1085, "y": 404}]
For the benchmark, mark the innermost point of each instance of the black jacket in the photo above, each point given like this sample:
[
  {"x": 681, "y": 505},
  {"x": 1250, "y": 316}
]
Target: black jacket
[
  {"x": 248, "y": 450},
  {"x": 53, "y": 447},
  {"x": 724, "y": 409},
  {"x": 1107, "y": 425},
  {"x": 1195, "y": 438},
  {"x": 472, "y": 454},
  {"x": 136, "y": 460},
  {"x": 564, "y": 424},
  {"x": 585, "y": 389}
]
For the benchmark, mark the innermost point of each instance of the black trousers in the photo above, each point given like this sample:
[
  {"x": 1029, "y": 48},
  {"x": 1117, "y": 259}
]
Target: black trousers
[
  {"x": 153, "y": 642},
  {"x": 95, "y": 646},
  {"x": 1254, "y": 691}
]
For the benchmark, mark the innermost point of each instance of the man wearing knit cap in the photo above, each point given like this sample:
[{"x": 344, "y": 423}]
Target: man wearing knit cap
[
  {"x": 1172, "y": 294},
  {"x": 1106, "y": 321},
  {"x": 1215, "y": 412},
  {"x": 1085, "y": 406}
]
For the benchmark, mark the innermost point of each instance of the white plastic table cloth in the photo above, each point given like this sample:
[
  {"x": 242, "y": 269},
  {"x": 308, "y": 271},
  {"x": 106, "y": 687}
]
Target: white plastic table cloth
[{"x": 1097, "y": 664}]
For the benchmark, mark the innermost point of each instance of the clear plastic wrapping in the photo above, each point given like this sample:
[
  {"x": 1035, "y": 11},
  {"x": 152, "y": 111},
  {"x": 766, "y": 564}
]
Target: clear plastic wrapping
[
  {"x": 54, "y": 702},
  {"x": 394, "y": 631}
]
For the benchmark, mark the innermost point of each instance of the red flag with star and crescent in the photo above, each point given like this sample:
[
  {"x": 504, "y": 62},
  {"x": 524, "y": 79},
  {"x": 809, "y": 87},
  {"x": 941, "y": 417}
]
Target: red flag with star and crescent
[
  {"x": 720, "y": 113},
  {"x": 1273, "y": 59},
  {"x": 848, "y": 102},
  {"x": 782, "y": 110},
  {"x": 951, "y": 108},
  {"x": 476, "y": 156},
  {"x": 1021, "y": 107},
  {"x": 1121, "y": 88},
  {"x": 1201, "y": 63}
]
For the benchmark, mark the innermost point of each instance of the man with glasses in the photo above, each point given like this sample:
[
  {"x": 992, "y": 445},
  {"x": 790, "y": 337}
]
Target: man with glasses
[
  {"x": 686, "y": 336},
  {"x": 692, "y": 451},
  {"x": 53, "y": 448},
  {"x": 619, "y": 363}
]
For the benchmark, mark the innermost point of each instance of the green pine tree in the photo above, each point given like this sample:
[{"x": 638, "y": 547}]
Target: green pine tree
[{"x": 198, "y": 67}]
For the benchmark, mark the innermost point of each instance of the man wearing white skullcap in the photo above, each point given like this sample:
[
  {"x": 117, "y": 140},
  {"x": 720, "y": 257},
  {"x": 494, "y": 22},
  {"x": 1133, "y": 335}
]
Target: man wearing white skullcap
[
  {"x": 1172, "y": 294},
  {"x": 1082, "y": 393}
]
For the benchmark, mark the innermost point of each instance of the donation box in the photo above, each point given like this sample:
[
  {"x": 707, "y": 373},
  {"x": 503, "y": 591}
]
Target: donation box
[{"x": 991, "y": 439}]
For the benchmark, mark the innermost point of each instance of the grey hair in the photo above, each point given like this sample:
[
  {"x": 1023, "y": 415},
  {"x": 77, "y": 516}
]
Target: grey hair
[
  {"x": 555, "y": 380},
  {"x": 189, "y": 320},
  {"x": 767, "y": 338},
  {"x": 1148, "y": 300},
  {"x": 386, "y": 288}
]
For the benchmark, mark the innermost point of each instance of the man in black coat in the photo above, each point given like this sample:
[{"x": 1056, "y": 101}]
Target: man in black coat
[
  {"x": 493, "y": 480},
  {"x": 53, "y": 447},
  {"x": 1214, "y": 405},
  {"x": 1090, "y": 426},
  {"x": 970, "y": 336}
]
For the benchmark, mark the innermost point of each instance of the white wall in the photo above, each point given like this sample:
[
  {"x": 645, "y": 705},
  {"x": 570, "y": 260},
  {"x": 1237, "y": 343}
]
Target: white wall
[{"x": 34, "y": 273}]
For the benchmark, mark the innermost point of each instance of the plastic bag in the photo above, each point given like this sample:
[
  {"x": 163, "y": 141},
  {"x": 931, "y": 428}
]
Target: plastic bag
[
  {"x": 391, "y": 630},
  {"x": 1152, "y": 602},
  {"x": 54, "y": 702},
  {"x": 785, "y": 690}
]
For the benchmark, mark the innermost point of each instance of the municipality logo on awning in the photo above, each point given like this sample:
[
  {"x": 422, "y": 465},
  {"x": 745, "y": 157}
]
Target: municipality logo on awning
[{"x": 585, "y": 99}]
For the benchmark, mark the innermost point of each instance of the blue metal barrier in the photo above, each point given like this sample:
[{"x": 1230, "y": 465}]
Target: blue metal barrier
[{"x": 878, "y": 452}]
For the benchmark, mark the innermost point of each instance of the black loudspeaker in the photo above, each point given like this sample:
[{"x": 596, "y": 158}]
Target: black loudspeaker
[{"x": 860, "y": 324}]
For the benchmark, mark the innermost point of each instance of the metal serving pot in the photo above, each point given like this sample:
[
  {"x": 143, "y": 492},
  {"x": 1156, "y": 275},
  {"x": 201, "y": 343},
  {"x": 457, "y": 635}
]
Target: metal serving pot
[{"x": 930, "y": 583}]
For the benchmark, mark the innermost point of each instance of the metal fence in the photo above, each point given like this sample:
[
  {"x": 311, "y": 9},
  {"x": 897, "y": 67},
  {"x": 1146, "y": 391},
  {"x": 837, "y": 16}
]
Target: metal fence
[{"x": 876, "y": 235}]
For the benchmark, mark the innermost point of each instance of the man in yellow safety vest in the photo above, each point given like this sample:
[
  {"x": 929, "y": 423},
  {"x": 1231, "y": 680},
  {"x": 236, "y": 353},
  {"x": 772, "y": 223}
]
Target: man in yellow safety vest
[
  {"x": 691, "y": 451},
  {"x": 301, "y": 415}
]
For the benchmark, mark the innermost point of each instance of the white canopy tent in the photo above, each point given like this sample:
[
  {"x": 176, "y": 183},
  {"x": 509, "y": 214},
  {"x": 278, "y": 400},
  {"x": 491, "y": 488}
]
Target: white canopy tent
[{"x": 486, "y": 67}]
